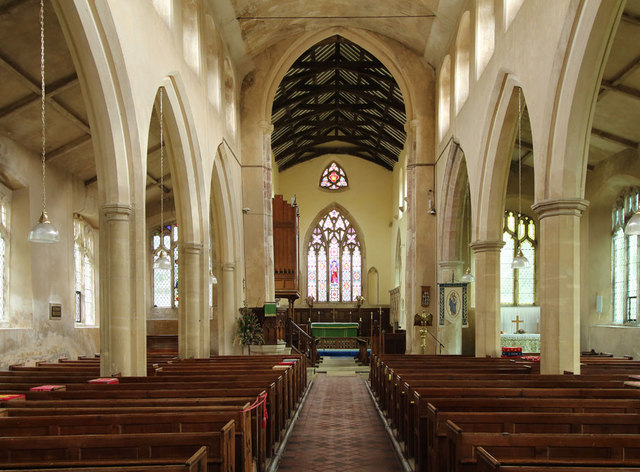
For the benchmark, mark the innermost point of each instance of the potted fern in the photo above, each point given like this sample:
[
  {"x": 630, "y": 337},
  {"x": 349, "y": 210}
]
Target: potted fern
[{"x": 249, "y": 330}]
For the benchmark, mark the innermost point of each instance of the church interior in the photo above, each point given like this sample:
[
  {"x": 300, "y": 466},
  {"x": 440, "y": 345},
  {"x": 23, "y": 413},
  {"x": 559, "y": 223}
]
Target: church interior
[{"x": 426, "y": 185}]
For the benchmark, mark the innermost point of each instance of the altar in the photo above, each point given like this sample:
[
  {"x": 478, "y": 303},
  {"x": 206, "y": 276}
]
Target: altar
[
  {"x": 528, "y": 342},
  {"x": 334, "y": 330}
]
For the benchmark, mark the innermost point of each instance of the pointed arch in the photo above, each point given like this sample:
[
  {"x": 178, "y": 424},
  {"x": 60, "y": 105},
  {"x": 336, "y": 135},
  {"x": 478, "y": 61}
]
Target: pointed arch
[
  {"x": 362, "y": 38},
  {"x": 182, "y": 144},
  {"x": 350, "y": 243},
  {"x": 496, "y": 162},
  {"x": 592, "y": 35},
  {"x": 454, "y": 195},
  {"x": 227, "y": 253}
]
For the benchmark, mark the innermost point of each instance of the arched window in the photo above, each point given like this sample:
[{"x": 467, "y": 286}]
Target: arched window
[
  {"x": 5, "y": 202},
  {"x": 84, "y": 279},
  {"x": 333, "y": 177},
  {"x": 165, "y": 281},
  {"x": 518, "y": 286},
  {"x": 334, "y": 260},
  {"x": 624, "y": 260}
]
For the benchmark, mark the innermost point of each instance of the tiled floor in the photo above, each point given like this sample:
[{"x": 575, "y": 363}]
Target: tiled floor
[{"x": 339, "y": 430}]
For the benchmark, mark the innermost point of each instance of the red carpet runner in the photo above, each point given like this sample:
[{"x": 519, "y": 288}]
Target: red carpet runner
[{"x": 339, "y": 430}]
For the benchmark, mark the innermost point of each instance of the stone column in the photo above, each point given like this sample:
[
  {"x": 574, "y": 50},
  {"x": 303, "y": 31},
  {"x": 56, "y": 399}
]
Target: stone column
[
  {"x": 559, "y": 284},
  {"x": 228, "y": 313},
  {"x": 487, "y": 254},
  {"x": 258, "y": 225},
  {"x": 121, "y": 331},
  {"x": 193, "y": 318}
]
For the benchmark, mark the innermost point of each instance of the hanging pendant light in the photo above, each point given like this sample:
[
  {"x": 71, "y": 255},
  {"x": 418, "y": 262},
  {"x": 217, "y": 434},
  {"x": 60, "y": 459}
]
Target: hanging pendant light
[
  {"x": 633, "y": 225},
  {"x": 467, "y": 277},
  {"x": 163, "y": 262},
  {"x": 44, "y": 231},
  {"x": 520, "y": 261}
]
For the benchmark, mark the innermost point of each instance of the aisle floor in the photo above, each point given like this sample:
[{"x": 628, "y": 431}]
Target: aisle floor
[{"x": 339, "y": 430}]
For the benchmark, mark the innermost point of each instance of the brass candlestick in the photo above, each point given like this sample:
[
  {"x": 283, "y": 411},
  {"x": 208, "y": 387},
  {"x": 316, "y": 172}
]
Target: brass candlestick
[{"x": 423, "y": 332}]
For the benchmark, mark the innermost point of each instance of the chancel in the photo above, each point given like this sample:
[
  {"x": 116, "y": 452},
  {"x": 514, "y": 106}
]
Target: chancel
[{"x": 261, "y": 195}]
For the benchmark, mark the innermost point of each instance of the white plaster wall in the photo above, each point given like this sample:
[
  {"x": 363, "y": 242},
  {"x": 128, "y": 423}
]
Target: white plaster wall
[
  {"x": 40, "y": 274},
  {"x": 369, "y": 199}
]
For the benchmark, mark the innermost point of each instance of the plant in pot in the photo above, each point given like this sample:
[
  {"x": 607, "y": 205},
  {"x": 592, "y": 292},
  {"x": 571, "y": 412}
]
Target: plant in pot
[{"x": 249, "y": 330}]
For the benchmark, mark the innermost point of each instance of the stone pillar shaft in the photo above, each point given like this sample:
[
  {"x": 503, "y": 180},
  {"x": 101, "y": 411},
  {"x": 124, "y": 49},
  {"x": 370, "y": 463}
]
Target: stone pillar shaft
[
  {"x": 228, "y": 313},
  {"x": 487, "y": 280},
  {"x": 120, "y": 329},
  {"x": 193, "y": 320},
  {"x": 559, "y": 256}
]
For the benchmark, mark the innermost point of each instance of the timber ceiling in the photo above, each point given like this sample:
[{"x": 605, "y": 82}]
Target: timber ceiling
[{"x": 338, "y": 99}]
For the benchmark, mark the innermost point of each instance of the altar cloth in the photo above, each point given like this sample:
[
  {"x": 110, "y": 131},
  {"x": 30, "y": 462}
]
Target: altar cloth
[{"x": 334, "y": 330}]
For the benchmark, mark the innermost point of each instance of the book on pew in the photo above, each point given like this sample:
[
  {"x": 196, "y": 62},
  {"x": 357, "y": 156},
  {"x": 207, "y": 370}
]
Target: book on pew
[
  {"x": 104, "y": 380},
  {"x": 48, "y": 388},
  {"x": 5, "y": 397}
]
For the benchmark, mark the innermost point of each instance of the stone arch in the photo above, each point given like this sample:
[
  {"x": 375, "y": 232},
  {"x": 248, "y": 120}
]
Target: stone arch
[
  {"x": 364, "y": 39},
  {"x": 592, "y": 34},
  {"x": 307, "y": 237},
  {"x": 226, "y": 231},
  {"x": 496, "y": 162},
  {"x": 96, "y": 61},
  {"x": 454, "y": 195},
  {"x": 463, "y": 60},
  {"x": 182, "y": 142}
]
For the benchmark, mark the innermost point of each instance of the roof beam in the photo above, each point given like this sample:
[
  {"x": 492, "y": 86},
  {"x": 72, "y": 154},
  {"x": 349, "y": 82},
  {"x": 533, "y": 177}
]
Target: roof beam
[
  {"x": 614, "y": 138},
  {"x": 35, "y": 88},
  {"x": 54, "y": 89},
  {"x": 620, "y": 76},
  {"x": 629, "y": 91},
  {"x": 67, "y": 148}
]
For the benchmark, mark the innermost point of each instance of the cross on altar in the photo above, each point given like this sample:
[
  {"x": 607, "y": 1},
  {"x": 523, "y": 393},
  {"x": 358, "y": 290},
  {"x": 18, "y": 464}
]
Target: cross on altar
[{"x": 517, "y": 321}]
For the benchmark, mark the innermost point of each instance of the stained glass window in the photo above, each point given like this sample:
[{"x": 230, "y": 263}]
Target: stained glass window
[
  {"x": 165, "y": 281},
  {"x": 84, "y": 271},
  {"x": 334, "y": 260},
  {"x": 4, "y": 249},
  {"x": 624, "y": 260},
  {"x": 518, "y": 286},
  {"x": 333, "y": 177}
]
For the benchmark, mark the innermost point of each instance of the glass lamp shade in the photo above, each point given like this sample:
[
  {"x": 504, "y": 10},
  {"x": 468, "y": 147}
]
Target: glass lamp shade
[
  {"x": 520, "y": 262},
  {"x": 44, "y": 232},
  {"x": 633, "y": 225},
  {"x": 467, "y": 277},
  {"x": 162, "y": 262},
  {"x": 212, "y": 279}
]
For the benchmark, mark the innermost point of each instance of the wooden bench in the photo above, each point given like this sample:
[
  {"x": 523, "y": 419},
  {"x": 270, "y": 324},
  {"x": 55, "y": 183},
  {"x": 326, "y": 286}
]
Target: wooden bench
[
  {"x": 159, "y": 422},
  {"x": 545, "y": 449},
  {"x": 126, "y": 449}
]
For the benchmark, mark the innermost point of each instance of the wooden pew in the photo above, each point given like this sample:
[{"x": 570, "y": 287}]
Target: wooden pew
[
  {"x": 545, "y": 449},
  {"x": 126, "y": 449},
  {"x": 488, "y": 463},
  {"x": 196, "y": 463},
  {"x": 524, "y": 422},
  {"x": 107, "y": 422}
]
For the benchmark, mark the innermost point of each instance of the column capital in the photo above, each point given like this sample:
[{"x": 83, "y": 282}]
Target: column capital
[
  {"x": 192, "y": 248},
  {"x": 411, "y": 125},
  {"x": 266, "y": 126},
  {"x": 560, "y": 206},
  {"x": 117, "y": 211},
  {"x": 486, "y": 246},
  {"x": 450, "y": 264}
]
